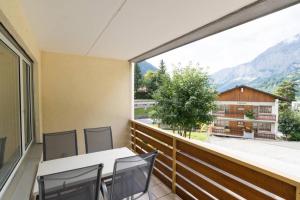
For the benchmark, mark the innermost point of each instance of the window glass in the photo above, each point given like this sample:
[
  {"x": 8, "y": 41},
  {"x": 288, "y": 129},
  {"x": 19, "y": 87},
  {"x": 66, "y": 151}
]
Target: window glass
[
  {"x": 10, "y": 128},
  {"x": 221, "y": 123},
  {"x": 220, "y": 108},
  {"x": 264, "y": 126},
  {"x": 265, "y": 109}
]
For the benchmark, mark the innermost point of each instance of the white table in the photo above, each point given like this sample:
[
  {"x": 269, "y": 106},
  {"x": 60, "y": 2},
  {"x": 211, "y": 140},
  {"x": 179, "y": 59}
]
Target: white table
[{"x": 107, "y": 157}]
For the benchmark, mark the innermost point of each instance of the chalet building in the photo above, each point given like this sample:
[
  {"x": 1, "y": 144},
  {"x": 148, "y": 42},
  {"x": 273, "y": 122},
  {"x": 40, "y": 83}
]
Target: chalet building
[{"x": 246, "y": 112}]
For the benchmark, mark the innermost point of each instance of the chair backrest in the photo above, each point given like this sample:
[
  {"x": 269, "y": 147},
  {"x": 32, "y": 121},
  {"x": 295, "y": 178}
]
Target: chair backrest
[
  {"x": 59, "y": 145},
  {"x": 132, "y": 175},
  {"x": 78, "y": 184},
  {"x": 2, "y": 150},
  {"x": 98, "y": 139}
]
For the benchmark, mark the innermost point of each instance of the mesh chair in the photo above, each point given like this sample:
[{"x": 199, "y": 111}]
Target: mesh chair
[
  {"x": 98, "y": 139},
  {"x": 59, "y": 145},
  {"x": 2, "y": 150},
  {"x": 78, "y": 184},
  {"x": 131, "y": 177}
]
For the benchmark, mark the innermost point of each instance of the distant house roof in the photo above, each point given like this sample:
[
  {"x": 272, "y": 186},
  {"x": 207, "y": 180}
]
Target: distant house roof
[{"x": 245, "y": 86}]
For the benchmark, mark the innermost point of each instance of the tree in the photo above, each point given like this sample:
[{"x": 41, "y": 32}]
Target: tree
[
  {"x": 150, "y": 82},
  {"x": 185, "y": 101},
  {"x": 153, "y": 80},
  {"x": 138, "y": 77},
  {"x": 162, "y": 67},
  {"x": 286, "y": 89},
  {"x": 289, "y": 124}
]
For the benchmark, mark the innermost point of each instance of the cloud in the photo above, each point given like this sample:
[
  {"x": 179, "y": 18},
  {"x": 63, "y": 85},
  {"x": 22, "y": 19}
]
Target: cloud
[{"x": 238, "y": 45}]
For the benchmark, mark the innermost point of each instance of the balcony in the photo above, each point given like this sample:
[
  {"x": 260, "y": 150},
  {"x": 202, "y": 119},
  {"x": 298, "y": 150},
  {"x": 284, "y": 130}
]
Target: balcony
[
  {"x": 81, "y": 76},
  {"x": 267, "y": 117},
  {"x": 199, "y": 171},
  {"x": 241, "y": 115},
  {"x": 227, "y": 132}
]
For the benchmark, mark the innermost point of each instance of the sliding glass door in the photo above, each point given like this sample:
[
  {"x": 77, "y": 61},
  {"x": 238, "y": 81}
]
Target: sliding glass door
[
  {"x": 10, "y": 117},
  {"x": 16, "y": 106}
]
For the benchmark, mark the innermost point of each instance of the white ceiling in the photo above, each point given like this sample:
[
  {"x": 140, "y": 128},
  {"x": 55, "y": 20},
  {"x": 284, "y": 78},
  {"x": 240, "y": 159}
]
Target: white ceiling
[{"x": 118, "y": 28}]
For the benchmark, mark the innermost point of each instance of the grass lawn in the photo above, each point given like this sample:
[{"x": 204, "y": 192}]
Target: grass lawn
[
  {"x": 141, "y": 112},
  {"x": 201, "y": 136}
]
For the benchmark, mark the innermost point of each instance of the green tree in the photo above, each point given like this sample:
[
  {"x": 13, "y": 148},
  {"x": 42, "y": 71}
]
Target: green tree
[
  {"x": 138, "y": 77},
  {"x": 153, "y": 80},
  {"x": 162, "y": 67},
  {"x": 286, "y": 89},
  {"x": 150, "y": 82},
  {"x": 289, "y": 124},
  {"x": 185, "y": 101}
]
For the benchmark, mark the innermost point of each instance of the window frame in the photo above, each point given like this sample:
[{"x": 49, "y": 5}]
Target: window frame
[
  {"x": 262, "y": 109},
  {"x": 10, "y": 43}
]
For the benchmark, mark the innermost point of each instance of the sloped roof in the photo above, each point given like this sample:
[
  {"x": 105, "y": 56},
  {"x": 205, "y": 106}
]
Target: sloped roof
[{"x": 257, "y": 90}]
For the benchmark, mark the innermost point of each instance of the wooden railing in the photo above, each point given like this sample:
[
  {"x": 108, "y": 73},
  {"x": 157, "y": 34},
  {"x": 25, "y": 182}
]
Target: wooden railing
[
  {"x": 199, "y": 171},
  {"x": 231, "y": 131},
  {"x": 269, "y": 117},
  {"x": 241, "y": 115},
  {"x": 264, "y": 135}
]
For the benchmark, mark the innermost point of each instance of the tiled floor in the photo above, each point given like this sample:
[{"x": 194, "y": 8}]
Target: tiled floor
[{"x": 159, "y": 191}]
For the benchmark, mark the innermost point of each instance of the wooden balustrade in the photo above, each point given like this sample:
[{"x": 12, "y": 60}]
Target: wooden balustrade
[
  {"x": 200, "y": 171},
  {"x": 230, "y": 131},
  {"x": 269, "y": 117}
]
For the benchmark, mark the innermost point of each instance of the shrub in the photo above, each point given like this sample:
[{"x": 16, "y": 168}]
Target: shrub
[{"x": 289, "y": 124}]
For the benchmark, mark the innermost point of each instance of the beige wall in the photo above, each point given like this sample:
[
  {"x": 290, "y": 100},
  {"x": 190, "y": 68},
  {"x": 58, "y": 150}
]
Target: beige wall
[
  {"x": 83, "y": 92},
  {"x": 13, "y": 18}
]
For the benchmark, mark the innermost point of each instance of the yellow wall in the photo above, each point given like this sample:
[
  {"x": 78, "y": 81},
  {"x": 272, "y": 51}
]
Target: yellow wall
[
  {"x": 13, "y": 18},
  {"x": 84, "y": 92}
]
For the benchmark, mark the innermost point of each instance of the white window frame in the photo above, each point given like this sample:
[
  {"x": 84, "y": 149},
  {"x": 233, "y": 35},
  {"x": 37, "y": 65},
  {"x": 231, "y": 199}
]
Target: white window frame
[{"x": 24, "y": 151}]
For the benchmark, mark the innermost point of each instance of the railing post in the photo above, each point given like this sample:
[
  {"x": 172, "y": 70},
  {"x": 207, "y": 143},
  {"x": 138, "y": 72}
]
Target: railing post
[
  {"x": 134, "y": 137},
  {"x": 174, "y": 165},
  {"x": 298, "y": 192}
]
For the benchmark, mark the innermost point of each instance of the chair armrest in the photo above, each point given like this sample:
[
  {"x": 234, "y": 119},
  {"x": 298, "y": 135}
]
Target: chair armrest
[{"x": 104, "y": 191}]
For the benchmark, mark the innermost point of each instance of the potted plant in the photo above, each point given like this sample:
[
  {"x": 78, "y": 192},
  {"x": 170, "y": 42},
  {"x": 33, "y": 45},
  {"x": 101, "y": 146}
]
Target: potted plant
[{"x": 249, "y": 114}]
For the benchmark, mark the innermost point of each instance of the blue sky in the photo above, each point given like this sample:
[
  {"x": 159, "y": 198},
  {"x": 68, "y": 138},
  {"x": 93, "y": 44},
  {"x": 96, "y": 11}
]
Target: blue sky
[{"x": 237, "y": 45}]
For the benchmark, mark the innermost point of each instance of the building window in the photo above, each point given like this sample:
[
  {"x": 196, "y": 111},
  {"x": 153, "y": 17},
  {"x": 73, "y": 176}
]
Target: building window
[
  {"x": 264, "y": 126},
  {"x": 265, "y": 109},
  {"x": 16, "y": 105},
  {"x": 226, "y": 108},
  {"x": 220, "y": 108},
  {"x": 221, "y": 123}
]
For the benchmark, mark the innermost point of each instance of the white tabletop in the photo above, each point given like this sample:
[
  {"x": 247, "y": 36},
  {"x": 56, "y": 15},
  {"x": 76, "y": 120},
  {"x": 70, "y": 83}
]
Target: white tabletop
[{"x": 107, "y": 157}]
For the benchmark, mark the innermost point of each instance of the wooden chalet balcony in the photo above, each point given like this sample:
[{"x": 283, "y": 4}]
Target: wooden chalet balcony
[
  {"x": 200, "y": 171},
  {"x": 269, "y": 117},
  {"x": 238, "y": 115},
  {"x": 241, "y": 115},
  {"x": 265, "y": 135},
  {"x": 231, "y": 131}
]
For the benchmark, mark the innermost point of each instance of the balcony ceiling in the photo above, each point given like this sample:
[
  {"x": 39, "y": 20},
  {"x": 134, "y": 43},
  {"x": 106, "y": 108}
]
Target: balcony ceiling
[{"x": 118, "y": 29}]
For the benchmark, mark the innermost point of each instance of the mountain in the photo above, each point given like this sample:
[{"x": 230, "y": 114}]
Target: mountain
[
  {"x": 145, "y": 66},
  {"x": 279, "y": 62}
]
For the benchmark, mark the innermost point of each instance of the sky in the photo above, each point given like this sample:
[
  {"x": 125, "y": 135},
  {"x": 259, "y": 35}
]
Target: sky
[{"x": 235, "y": 46}]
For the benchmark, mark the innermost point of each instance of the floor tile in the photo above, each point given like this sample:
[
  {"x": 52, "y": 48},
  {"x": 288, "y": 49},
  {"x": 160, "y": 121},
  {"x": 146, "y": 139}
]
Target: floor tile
[
  {"x": 154, "y": 181},
  {"x": 160, "y": 190},
  {"x": 170, "y": 197}
]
